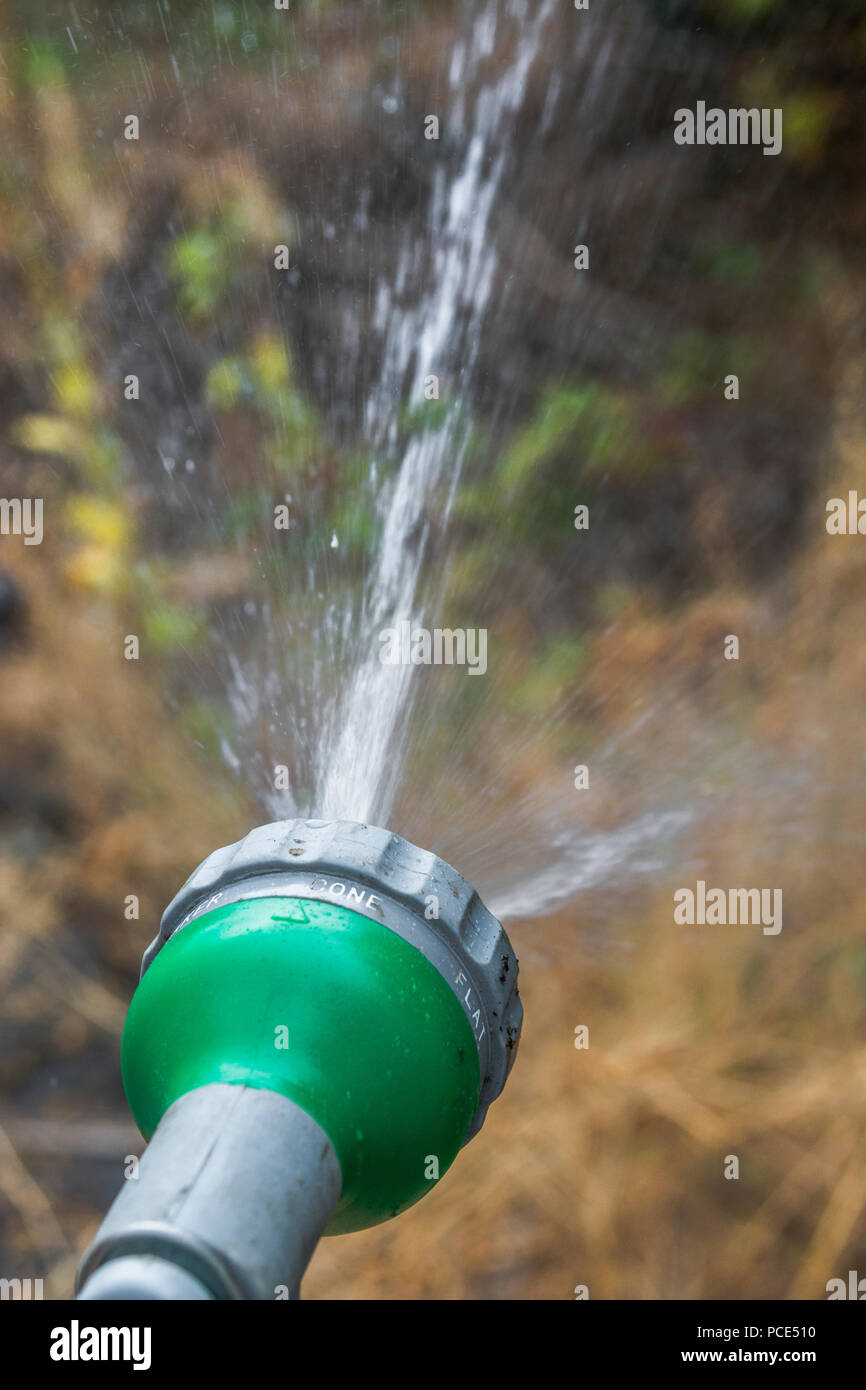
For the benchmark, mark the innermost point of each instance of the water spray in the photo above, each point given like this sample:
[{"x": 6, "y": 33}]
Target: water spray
[{"x": 321, "y": 1024}]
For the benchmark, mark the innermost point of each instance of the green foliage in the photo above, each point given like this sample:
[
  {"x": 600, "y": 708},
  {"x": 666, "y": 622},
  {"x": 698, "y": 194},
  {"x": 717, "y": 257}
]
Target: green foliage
[
  {"x": 725, "y": 262},
  {"x": 168, "y": 625},
  {"x": 171, "y": 627},
  {"x": 229, "y": 385},
  {"x": 297, "y": 432},
  {"x": 248, "y": 514},
  {"x": 209, "y": 263},
  {"x": 429, "y": 415},
  {"x": 43, "y": 63},
  {"x": 262, "y": 382},
  {"x": 553, "y": 671},
  {"x": 200, "y": 264},
  {"x": 700, "y": 361},
  {"x": 355, "y": 522},
  {"x": 578, "y": 434},
  {"x": 594, "y": 427},
  {"x": 207, "y": 724}
]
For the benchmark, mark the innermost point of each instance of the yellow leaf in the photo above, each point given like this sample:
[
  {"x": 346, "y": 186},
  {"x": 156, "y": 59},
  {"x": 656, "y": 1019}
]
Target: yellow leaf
[
  {"x": 270, "y": 363},
  {"x": 50, "y": 434},
  {"x": 95, "y": 568},
  {"x": 75, "y": 389},
  {"x": 100, "y": 522}
]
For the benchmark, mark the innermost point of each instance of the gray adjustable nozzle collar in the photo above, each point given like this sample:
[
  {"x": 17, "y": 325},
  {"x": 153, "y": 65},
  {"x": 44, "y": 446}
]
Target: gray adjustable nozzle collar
[{"x": 382, "y": 876}]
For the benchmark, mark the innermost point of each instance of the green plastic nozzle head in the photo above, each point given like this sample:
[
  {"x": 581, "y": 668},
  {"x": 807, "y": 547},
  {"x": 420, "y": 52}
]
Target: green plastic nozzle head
[{"x": 348, "y": 970}]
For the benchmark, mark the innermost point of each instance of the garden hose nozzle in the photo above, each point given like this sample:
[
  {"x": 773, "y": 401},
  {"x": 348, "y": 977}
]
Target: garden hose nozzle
[{"x": 320, "y": 1025}]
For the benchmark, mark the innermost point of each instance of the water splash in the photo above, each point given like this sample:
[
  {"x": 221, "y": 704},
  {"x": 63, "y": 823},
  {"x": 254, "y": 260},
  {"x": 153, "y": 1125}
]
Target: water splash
[
  {"x": 310, "y": 681},
  {"x": 361, "y": 758},
  {"x": 348, "y": 733}
]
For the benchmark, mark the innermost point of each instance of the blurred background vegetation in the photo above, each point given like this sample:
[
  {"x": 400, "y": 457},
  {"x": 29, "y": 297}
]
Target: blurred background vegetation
[{"x": 156, "y": 257}]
